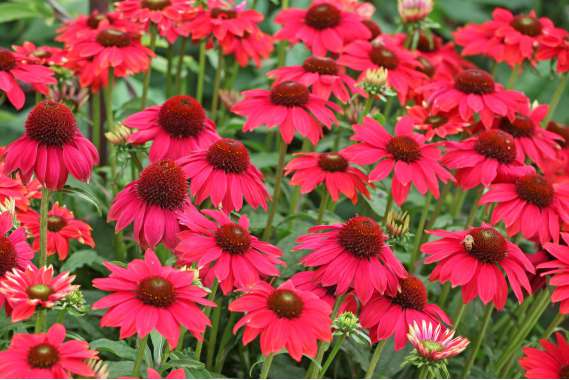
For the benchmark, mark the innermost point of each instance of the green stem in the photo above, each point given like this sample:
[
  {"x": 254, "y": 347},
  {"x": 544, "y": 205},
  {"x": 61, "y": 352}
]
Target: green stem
[
  {"x": 474, "y": 208},
  {"x": 60, "y": 316},
  {"x": 216, "y": 83},
  {"x": 332, "y": 355},
  {"x": 110, "y": 125},
  {"x": 478, "y": 340},
  {"x": 266, "y": 366},
  {"x": 388, "y": 206},
  {"x": 323, "y": 206},
  {"x": 295, "y": 201},
  {"x": 277, "y": 190},
  {"x": 459, "y": 315},
  {"x": 180, "y": 64},
  {"x": 557, "y": 95},
  {"x": 207, "y": 311},
  {"x": 212, "y": 340},
  {"x": 40, "y": 321},
  {"x": 225, "y": 338},
  {"x": 367, "y": 107},
  {"x": 141, "y": 348},
  {"x": 458, "y": 201},
  {"x": 169, "y": 67},
  {"x": 323, "y": 346},
  {"x": 513, "y": 77},
  {"x": 44, "y": 207},
  {"x": 540, "y": 304},
  {"x": 375, "y": 359},
  {"x": 281, "y": 55},
  {"x": 147, "y": 73},
  {"x": 559, "y": 318},
  {"x": 420, "y": 232},
  {"x": 444, "y": 295},
  {"x": 201, "y": 71},
  {"x": 96, "y": 120},
  {"x": 439, "y": 205}
]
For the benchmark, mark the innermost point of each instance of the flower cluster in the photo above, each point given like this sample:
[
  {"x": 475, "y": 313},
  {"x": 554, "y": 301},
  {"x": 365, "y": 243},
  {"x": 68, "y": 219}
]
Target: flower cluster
[{"x": 150, "y": 206}]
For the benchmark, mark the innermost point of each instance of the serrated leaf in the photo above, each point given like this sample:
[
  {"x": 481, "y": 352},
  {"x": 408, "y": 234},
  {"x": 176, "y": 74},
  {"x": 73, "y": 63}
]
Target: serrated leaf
[{"x": 120, "y": 349}]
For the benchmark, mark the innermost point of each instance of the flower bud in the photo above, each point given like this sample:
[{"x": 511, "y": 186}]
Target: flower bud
[
  {"x": 397, "y": 223},
  {"x": 412, "y": 11},
  {"x": 118, "y": 135},
  {"x": 375, "y": 81}
]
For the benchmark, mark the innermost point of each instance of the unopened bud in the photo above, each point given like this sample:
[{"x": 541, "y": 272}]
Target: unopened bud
[
  {"x": 397, "y": 223},
  {"x": 118, "y": 135},
  {"x": 375, "y": 81},
  {"x": 412, "y": 11}
]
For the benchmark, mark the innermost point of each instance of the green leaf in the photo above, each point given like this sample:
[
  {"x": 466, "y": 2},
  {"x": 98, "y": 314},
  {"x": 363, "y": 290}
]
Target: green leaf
[
  {"x": 79, "y": 259},
  {"x": 120, "y": 349},
  {"x": 13, "y": 11},
  {"x": 85, "y": 193},
  {"x": 120, "y": 369}
]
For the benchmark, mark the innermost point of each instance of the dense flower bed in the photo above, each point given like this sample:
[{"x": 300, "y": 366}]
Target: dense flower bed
[{"x": 382, "y": 207}]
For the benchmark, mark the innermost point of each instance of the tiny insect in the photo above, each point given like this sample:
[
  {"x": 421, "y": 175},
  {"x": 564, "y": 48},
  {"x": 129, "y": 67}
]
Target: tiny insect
[{"x": 468, "y": 242}]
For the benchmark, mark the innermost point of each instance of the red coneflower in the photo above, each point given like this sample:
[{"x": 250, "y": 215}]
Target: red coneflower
[
  {"x": 554, "y": 43},
  {"x": 25, "y": 290},
  {"x": 385, "y": 51},
  {"x": 436, "y": 124},
  {"x": 51, "y": 147},
  {"x": 41, "y": 55},
  {"x": 285, "y": 318},
  {"x": 474, "y": 92},
  {"x": 331, "y": 169},
  {"x": 15, "y": 252},
  {"x": 225, "y": 250},
  {"x": 220, "y": 19},
  {"x": 62, "y": 227},
  {"x": 323, "y": 27},
  {"x": 530, "y": 204},
  {"x": 405, "y": 154},
  {"x": 386, "y": 316},
  {"x": 291, "y": 107},
  {"x": 481, "y": 159},
  {"x": 438, "y": 60},
  {"x": 176, "y": 128},
  {"x": 76, "y": 29},
  {"x": 506, "y": 38},
  {"x": 352, "y": 255},
  {"x": 550, "y": 363},
  {"x": 148, "y": 296},
  {"x": 152, "y": 203},
  {"x": 224, "y": 173},
  {"x": 323, "y": 75},
  {"x": 308, "y": 280},
  {"x": 46, "y": 356},
  {"x": 536, "y": 143},
  {"x": 255, "y": 46},
  {"x": 558, "y": 267},
  {"x": 13, "y": 68},
  {"x": 166, "y": 15},
  {"x": 113, "y": 47},
  {"x": 474, "y": 259}
]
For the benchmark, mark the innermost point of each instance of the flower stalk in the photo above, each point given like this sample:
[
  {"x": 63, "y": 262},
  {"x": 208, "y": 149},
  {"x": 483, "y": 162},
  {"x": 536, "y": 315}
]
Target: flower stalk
[{"x": 147, "y": 73}]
